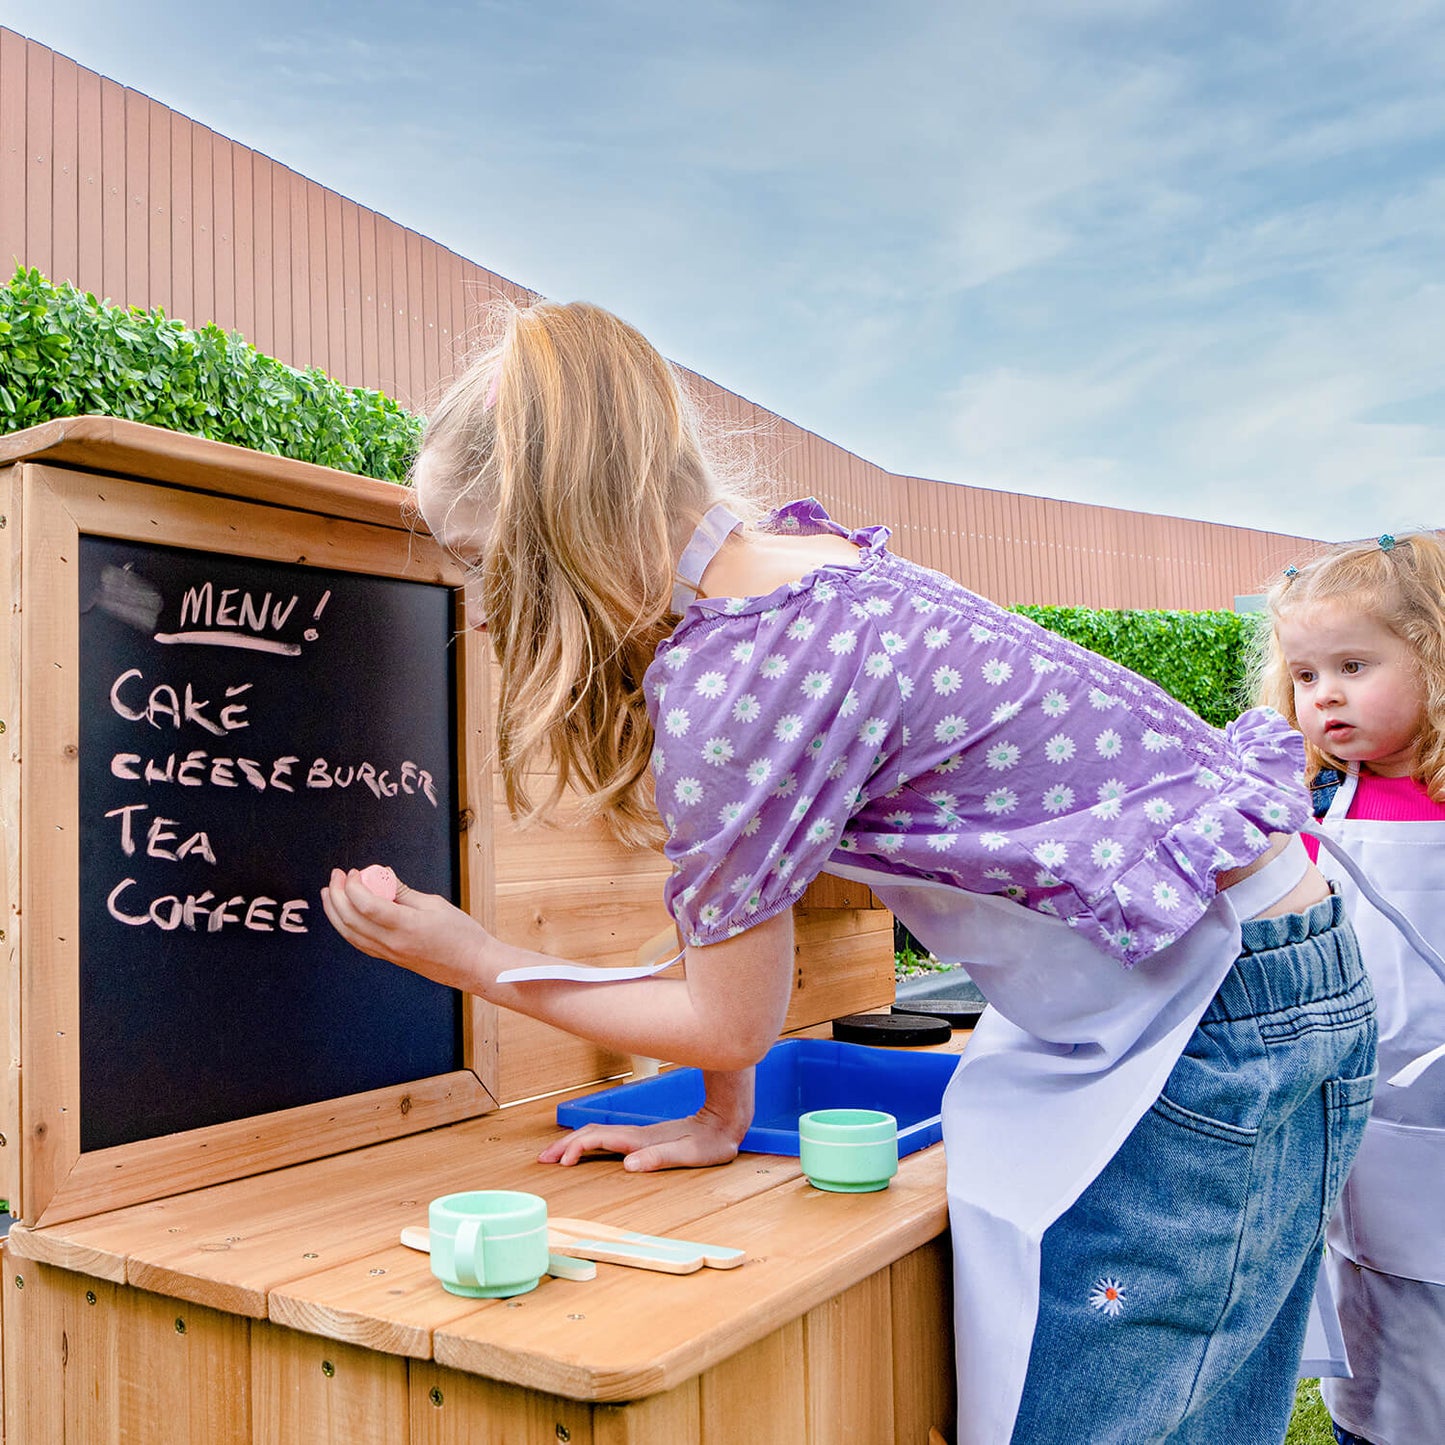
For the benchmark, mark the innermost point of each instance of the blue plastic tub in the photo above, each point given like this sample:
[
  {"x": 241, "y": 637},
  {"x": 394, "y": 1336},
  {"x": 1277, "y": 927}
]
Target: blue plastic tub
[{"x": 794, "y": 1077}]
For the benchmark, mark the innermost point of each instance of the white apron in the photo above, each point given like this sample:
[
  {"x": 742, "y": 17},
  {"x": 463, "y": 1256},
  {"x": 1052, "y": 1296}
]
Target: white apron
[
  {"x": 1390, "y": 1218},
  {"x": 1073, "y": 1051},
  {"x": 1392, "y": 1215}
]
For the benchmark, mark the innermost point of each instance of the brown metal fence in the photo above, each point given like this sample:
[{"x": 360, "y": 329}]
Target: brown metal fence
[{"x": 104, "y": 187}]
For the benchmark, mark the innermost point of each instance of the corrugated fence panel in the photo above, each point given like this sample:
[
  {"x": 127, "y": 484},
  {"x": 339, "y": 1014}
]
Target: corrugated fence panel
[{"x": 108, "y": 189}]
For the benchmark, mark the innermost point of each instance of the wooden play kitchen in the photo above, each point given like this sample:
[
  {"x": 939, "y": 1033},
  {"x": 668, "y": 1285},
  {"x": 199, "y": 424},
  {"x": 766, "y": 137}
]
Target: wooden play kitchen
[{"x": 225, "y": 673}]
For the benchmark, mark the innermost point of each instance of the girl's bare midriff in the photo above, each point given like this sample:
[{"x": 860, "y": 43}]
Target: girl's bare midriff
[{"x": 1311, "y": 889}]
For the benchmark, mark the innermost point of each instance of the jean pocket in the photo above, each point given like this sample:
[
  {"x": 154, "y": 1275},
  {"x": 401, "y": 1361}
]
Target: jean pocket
[{"x": 1347, "y": 1108}]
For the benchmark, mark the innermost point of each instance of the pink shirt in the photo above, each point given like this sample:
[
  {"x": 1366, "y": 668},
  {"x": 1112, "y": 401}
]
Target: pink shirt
[{"x": 1388, "y": 800}]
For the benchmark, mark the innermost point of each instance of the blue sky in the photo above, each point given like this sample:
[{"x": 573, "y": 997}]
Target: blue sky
[{"x": 1187, "y": 257}]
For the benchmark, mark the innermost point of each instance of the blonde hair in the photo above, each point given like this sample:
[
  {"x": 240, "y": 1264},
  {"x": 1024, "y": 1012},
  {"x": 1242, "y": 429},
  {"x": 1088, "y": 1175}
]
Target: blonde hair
[
  {"x": 1401, "y": 583},
  {"x": 566, "y": 469}
]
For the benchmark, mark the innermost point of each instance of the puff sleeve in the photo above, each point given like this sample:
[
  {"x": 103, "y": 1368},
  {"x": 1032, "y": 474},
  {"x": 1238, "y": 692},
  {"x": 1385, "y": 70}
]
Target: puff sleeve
[{"x": 772, "y": 726}]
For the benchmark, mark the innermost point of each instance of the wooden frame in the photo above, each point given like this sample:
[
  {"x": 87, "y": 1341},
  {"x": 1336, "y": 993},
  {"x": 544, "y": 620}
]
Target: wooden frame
[{"x": 47, "y": 509}]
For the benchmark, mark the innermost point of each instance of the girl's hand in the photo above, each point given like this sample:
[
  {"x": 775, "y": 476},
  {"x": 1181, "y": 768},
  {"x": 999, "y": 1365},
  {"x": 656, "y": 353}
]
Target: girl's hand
[
  {"x": 711, "y": 1136},
  {"x": 422, "y": 932},
  {"x": 693, "y": 1143}
]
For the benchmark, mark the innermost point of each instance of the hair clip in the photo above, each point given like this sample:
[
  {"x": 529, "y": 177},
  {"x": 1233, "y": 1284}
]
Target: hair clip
[
  {"x": 1387, "y": 543},
  {"x": 492, "y": 390},
  {"x": 1291, "y": 571}
]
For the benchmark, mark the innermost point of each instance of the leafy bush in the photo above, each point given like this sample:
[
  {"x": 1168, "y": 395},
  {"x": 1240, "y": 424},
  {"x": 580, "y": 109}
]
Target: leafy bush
[
  {"x": 1197, "y": 657},
  {"x": 63, "y": 353}
]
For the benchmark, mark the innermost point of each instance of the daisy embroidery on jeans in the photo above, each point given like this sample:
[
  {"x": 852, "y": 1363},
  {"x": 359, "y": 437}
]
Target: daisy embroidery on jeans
[{"x": 1107, "y": 1296}]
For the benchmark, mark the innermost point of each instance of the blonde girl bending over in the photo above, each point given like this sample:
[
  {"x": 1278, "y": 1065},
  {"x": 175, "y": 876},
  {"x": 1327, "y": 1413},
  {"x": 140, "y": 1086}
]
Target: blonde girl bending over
[{"x": 1137, "y": 1152}]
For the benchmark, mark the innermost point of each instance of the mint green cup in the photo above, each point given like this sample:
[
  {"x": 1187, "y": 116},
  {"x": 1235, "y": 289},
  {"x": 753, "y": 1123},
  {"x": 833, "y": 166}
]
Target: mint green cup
[
  {"x": 848, "y": 1151},
  {"x": 488, "y": 1243}
]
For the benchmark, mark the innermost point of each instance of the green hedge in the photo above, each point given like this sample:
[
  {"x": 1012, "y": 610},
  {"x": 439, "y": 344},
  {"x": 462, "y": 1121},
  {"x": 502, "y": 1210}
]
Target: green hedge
[
  {"x": 1198, "y": 657},
  {"x": 63, "y": 353}
]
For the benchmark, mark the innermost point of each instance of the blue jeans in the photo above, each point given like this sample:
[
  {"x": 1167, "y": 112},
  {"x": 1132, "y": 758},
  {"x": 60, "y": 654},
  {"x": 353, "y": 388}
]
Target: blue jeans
[
  {"x": 1343, "y": 1437},
  {"x": 1176, "y": 1292}
]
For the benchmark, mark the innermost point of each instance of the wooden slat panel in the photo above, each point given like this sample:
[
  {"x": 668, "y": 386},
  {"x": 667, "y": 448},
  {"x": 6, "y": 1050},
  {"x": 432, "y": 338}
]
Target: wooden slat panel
[
  {"x": 243, "y": 238},
  {"x": 848, "y": 1345},
  {"x": 90, "y": 194},
  {"x": 772, "y": 1377},
  {"x": 223, "y": 242},
  {"x": 924, "y": 1383},
  {"x": 447, "y": 1407},
  {"x": 13, "y": 247},
  {"x": 173, "y": 264},
  {"x": 65, "y": 165},
  {"x": 308, "y": 1391},
  {"x": 203, "y": 227},
  {"x": 39, "y": 158}
]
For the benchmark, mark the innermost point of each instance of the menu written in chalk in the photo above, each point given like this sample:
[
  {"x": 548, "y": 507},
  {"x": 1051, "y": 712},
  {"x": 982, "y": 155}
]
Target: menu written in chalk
[{"x": 246, "y": 726}]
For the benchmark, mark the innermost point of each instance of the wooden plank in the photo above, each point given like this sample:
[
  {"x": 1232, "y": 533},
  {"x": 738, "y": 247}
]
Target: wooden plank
[
  {"x": 368, "y": 304},
  {"x": 39, "y": 158},
  {"x": 11, "y": 918},
  {"x": 185, "y": 1371},
  {"x": 115, "y": 198},
  {"x": 348, "y": 262},
  {"x": 136, "y": 289},
  {"x": 451, "y": 1408},
  {"x": 758, "y": 1394},
  {"x": 385, "y": 308},
  {"x": 129, "y": 449},
  {"x": 306, "y": 1391},
  {"x": 49, "y": 844},
  {"x": 65, "y": 166},
  {"x": 283, "y": 268},
  {"x": 317, "y": 270},
  {"x": 302, "y": 353},
  {"x": 415, "y": 331},
  {"x": 534, "y": 1058},
  {"x": 90, "y": 190},
  {"x": 164, "y": 221},
  {"x": 223, "y": 221},
  {"x": 63, "y": 1355},
  {"x": 12, "y": 152},
  {"x": 155, "y": 1168},
  {"x": 659, "y": 1420},
  {"x": 925, "y": 1392},
  {"x": 203, "y": 227},
  {"x": 843, "y": 963},
  {"x": 262, "y": 334},
  {"x": 847, "y": 1342},
  {"x": 338, "y": 362},
  {"x": 477, "y": 851},
  {"x": 243, "y": 240}
]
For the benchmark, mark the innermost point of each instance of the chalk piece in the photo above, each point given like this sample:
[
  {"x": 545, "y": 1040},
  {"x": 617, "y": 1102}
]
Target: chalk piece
[{"x": 381, "y": 880}]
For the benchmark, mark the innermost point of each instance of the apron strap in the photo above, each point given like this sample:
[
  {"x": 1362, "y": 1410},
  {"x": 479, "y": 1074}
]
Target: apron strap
[
  {"x": 1412, "y": 1071},
  {"x": 717, "y": 525}
]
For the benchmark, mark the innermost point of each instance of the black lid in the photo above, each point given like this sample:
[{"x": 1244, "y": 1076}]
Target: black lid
[{"x": 892, "y": 1029}]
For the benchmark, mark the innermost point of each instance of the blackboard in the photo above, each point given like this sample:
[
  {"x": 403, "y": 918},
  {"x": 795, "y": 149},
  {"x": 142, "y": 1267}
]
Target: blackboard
[{"x": 245, "y": 726}]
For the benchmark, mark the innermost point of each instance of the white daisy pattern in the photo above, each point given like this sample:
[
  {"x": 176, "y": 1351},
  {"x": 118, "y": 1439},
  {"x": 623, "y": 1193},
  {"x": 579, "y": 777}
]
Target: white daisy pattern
[{"x": 838, "y": 714}]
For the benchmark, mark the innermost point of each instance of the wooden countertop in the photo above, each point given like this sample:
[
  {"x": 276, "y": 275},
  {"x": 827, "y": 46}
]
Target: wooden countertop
[{"x": 315, "y": 1247}]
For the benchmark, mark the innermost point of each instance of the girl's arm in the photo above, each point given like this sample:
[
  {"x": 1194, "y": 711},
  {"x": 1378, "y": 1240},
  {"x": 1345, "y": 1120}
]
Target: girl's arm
[{"x": 721, "y": 1018}]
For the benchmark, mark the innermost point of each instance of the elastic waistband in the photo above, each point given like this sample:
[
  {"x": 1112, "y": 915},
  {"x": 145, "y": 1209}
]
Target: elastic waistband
[{"x": 1292, "y": 959}]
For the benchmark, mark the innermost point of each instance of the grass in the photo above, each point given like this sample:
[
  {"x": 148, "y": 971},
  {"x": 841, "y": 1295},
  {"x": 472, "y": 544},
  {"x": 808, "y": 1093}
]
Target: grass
[{"x": 1310, "y": 1422}]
